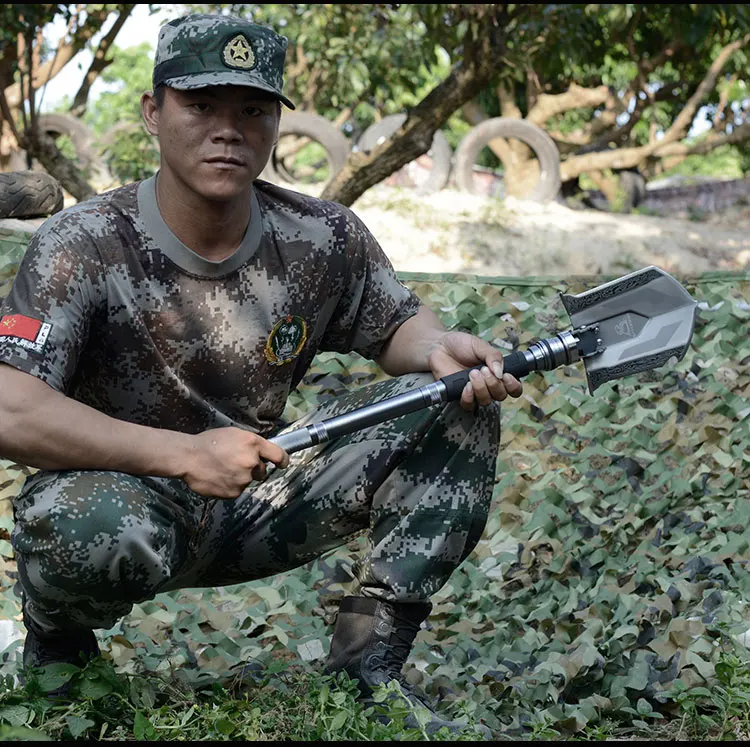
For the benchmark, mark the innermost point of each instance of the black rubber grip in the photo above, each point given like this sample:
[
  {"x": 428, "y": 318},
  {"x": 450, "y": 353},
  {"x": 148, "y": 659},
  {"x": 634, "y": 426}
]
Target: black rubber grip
[{"x": 515, "y": 364}]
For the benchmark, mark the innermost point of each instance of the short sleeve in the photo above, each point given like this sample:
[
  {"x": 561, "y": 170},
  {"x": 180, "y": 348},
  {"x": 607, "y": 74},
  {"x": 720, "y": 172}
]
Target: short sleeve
[
  {"x": 46, "y": 319},
  {"x": 374, "y": 302}
]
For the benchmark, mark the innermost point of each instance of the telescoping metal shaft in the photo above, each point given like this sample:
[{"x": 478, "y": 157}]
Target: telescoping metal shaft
[{"x": 543, "y": 355}]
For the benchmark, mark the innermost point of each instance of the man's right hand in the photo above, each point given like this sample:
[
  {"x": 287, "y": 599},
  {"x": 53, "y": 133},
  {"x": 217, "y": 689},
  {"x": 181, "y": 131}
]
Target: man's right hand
[{"x": 222, "y": 462}]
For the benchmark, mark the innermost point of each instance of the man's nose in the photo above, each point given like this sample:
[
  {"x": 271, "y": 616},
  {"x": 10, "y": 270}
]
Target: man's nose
[{"x": 226, "y": 128}]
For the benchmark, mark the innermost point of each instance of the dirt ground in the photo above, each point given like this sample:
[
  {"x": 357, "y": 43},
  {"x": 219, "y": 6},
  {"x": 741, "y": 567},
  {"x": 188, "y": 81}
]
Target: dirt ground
[{"x": 452, "y": 231}]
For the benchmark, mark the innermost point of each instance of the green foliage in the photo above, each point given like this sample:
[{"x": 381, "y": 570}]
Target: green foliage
[
  {"x": 133, "y": 154},
  {"x": 726, "y": 161},
  {"x": 129, "y": 152},
  {"x": 372, "y": 58},
  {"x": 281, "y": 705},
  {"x": 376, "y": 59},
  {"x": 17, "y": 18},
  {"x": 127, "y": 78},
  {"x": 722, "y": 711}
]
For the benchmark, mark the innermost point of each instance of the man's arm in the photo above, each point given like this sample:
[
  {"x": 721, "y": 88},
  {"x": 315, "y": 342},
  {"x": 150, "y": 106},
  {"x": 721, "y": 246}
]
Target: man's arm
[
  {"x": 422, "y": 343},
  {"x": 43, "y": 428}
]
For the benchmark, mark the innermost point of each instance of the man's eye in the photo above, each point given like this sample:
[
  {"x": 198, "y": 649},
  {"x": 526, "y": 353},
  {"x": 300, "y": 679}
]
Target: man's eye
[
  {"x": 200, "y": 106},
  {"x": 253, "y": 111}
]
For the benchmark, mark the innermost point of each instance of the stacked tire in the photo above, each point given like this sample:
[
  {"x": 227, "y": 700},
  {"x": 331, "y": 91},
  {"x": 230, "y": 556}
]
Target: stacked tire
[
  {"x": 542, "y": 145},
  {"x": 307, "y": 126},
  {"x": 440, "y": 154},
  {"x": 29, "y": 194},
  {"x": 33, "y": 193},
  {"x": 462, "y": 163}
]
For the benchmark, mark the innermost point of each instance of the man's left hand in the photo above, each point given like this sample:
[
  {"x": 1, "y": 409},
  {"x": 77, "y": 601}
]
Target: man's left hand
[{"x": 456, "y": 351}]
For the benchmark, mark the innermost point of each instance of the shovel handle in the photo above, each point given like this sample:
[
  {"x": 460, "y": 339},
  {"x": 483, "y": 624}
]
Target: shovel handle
[{"x": 516, "y": 364}]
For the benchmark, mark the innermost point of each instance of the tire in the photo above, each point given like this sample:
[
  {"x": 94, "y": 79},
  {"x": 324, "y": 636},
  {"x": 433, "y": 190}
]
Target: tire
[
  {"x": 320, "y": 131},
  {"x": 112, "y": 135},
  {"x": 440, "y": 153},
  {"x": 633, "y": 184},
  {"x": 501, "y": 127},
  {"x": 83, "y": 140},
  {"x": 29, "y": 194},
  {"x": 80, "y": 135}
]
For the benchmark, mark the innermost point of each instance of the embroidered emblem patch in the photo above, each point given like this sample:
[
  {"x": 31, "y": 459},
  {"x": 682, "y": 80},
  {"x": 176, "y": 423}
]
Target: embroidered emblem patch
[
  {"x": 24, "y": 331},
  {"x": 238, "y": 53},
  {"x": 286, "y": 340}
]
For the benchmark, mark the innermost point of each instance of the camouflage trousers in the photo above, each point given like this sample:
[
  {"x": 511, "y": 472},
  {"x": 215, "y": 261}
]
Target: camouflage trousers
[{"x": 90, "y": 544}]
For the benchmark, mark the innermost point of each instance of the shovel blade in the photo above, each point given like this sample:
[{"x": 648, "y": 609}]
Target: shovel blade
[{"x": 645, "y": 320}]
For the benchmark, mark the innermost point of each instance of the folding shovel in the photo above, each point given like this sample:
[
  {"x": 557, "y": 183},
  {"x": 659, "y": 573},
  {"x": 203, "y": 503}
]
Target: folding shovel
[{"x": 636, "y": 323}]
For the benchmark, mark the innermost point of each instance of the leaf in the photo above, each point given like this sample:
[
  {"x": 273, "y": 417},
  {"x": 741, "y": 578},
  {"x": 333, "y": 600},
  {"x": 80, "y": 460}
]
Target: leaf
[
  {"x": 54, "y": 676},
  {"x": 142, "y": 728},
  {"x": 78, "y": 725},
  {"x": 339, "y": 720},
  {"x": 15, "y": 715},
  {"x": 643, "y": 707},
  {"x": 94, "y": 688}
]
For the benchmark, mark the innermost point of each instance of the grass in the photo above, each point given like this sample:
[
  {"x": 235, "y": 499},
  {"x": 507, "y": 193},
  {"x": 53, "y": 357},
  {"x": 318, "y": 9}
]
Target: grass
[
  {"x": 105, "y": 705},
  {"x": 287, "y": 702}
]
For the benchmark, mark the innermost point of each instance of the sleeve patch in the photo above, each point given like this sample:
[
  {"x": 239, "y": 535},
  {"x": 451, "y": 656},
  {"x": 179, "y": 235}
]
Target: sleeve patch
[{"x": 25, "y": 331}]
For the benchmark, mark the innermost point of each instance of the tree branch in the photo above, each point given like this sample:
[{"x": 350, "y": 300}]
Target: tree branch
[
  {"x": 705, "y": 145},
  {"x": 466, "y": 79},
  {"x": 576, "y": 97},
  {"x": 64, "y": 53},
  {"x": 723, "y": 98},
  {"x": 682, "y": 122},
  {"x": 100, "y": 61},
  {"x": 624, "y": 158}
]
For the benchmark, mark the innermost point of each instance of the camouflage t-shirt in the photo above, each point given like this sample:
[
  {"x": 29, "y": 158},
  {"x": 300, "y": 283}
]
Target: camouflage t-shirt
[{"x": 112, "y": 309}]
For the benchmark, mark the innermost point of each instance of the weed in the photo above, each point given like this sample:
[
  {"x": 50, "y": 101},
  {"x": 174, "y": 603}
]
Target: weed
[
  {"x": 299, "y": 706},
  {"x": 721, "y": 712}
]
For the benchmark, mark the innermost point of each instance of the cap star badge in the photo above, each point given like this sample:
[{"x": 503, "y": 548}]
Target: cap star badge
[{"x": 238, "y": 53}]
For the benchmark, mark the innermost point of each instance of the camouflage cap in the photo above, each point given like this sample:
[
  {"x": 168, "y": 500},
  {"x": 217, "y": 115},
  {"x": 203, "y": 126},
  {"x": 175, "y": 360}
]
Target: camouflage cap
[{"x": 202, "y": 49}]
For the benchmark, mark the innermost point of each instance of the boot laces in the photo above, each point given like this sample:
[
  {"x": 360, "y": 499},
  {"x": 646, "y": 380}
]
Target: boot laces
[{"x": 396, "y": 651}]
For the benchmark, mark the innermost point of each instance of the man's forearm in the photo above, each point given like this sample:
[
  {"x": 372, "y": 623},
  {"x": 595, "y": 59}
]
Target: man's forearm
[
  {"x": 409, "y": 348},
  {"x": 45, "y": 429}
]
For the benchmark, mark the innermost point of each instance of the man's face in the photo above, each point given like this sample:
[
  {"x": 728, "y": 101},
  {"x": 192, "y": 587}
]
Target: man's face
[{"x": 214, "y": 140}]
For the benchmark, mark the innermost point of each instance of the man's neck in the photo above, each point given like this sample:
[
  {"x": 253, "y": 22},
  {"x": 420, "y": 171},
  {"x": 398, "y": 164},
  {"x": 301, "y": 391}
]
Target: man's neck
[{"x": 214, "y": 230}]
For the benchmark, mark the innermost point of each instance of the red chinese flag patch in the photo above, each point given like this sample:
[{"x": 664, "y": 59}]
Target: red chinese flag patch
[
  {"x": 30, "y": 334},
  {"x": 18, "y": 325}
]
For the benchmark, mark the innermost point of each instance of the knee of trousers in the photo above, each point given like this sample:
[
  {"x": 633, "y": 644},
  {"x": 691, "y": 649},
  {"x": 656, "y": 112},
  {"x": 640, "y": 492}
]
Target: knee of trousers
[{"x": 90, "y": 534}]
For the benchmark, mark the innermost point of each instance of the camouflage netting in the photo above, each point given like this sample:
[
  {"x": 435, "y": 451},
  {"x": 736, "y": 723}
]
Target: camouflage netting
[{"x": 613, "y": 570}]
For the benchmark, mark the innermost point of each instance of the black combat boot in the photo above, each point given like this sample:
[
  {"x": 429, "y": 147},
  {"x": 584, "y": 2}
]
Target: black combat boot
[
  {"x": 67, "y": 647},
  {"x": 371, "y": 642}
]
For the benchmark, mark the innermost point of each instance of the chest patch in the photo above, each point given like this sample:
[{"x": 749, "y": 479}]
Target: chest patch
[{"x": 286, "y": 340}]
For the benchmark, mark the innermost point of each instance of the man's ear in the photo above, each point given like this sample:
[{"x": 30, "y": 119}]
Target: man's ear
[{"x": 150, "y": 112}]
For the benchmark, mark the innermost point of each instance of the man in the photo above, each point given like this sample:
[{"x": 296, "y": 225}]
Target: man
[{"x": 147, "y": 348}]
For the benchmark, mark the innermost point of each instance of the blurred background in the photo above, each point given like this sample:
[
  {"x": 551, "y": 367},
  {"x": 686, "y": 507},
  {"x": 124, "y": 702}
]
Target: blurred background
[{"x": 633, "y": 97}]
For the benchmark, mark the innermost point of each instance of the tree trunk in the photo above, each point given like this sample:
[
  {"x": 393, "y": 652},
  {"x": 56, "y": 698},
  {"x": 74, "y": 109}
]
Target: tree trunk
[
  {"x": 44, "y": 149},
  {"x": 100, "y": 62},
  {"x": 414, "y": 138}
]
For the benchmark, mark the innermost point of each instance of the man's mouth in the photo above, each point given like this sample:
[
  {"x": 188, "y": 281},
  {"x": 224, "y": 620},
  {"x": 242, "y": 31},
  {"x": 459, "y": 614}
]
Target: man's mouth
[{"x": 225, "y": 160}]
